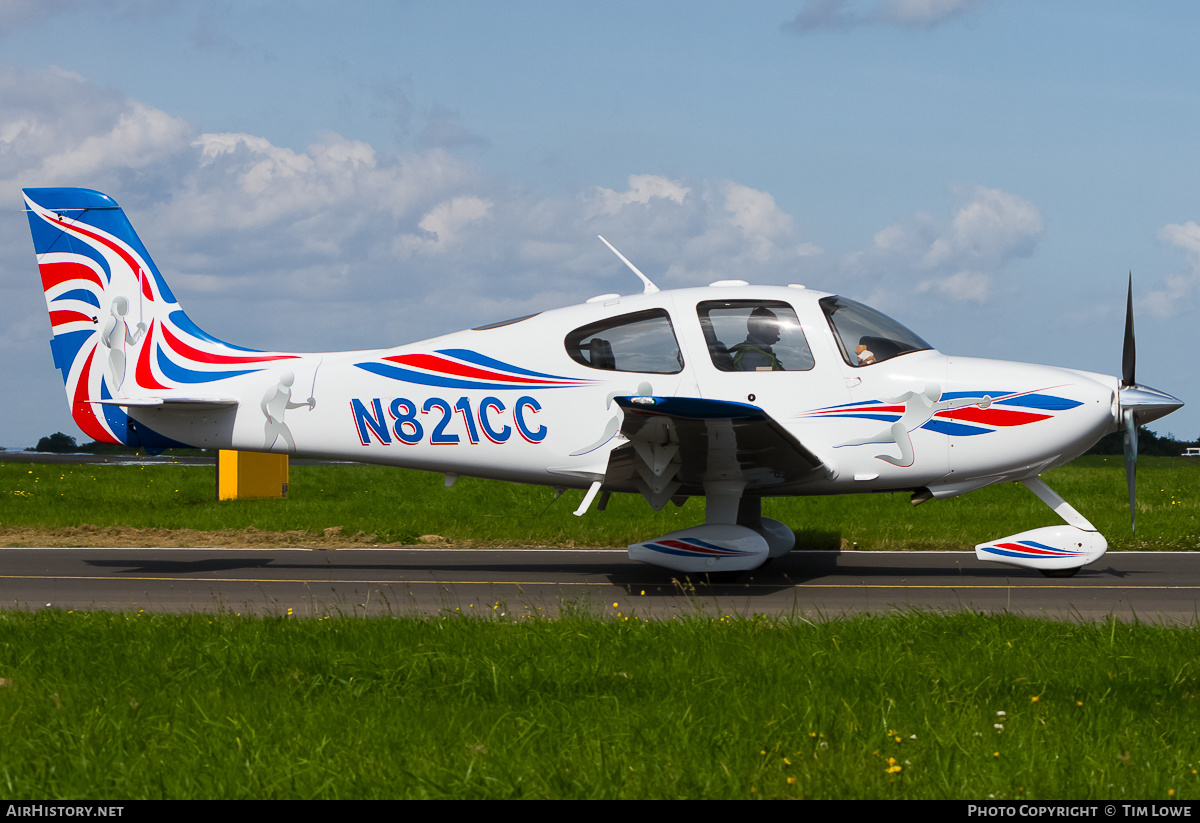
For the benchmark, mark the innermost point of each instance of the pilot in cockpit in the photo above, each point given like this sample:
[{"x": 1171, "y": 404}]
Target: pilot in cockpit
[{"x": 755, "y": 352}]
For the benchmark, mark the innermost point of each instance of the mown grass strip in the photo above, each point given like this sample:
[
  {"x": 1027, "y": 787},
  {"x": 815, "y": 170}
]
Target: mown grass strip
[
  {"x": 907, "y": 706},
  {"x": 397, "y": 505}
]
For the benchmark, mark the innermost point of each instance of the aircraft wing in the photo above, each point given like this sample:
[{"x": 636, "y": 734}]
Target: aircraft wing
[{"x": 678, "y": 443}]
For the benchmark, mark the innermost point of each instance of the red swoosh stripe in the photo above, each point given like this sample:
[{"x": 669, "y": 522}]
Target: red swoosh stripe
[
  {"x": 55, "y": 273},
  {"x": 688, "y": 547},
  {"x": 124, "y": 255},
  {"x": 58, "y": 318},
  {"x": 82, "y": 411},
  {"x": 439, "y": 365},
  {"x": 1019, "y": 547},
  {"x": 993, "y": 416},
  {"x": 863, "y": 410},
  {"x": 145, "y": 375}
]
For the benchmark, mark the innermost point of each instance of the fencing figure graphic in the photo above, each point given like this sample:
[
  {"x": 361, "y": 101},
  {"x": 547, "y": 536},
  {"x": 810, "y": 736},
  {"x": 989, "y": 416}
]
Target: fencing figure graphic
[
  {"x": 116, "y": 336},
  {"x": 275, "y": 404}
]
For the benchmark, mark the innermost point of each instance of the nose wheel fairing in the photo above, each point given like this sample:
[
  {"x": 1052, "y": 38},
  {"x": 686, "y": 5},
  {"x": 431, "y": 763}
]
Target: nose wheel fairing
[{"x": 1050, "y": 549}]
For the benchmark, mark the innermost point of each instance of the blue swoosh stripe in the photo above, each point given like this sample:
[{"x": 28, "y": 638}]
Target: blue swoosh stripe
[
  {"x": 683, "y": 553},
  {"x": 424, "y": 379},
  {"x": 954, "y": 429},
  {"x": 79, "y": 294},
  {"x": 1045, "y": 402},
  {"x": 483, "y": 360},
  {"x": 886, "y": 418},
  {"x": 181, "y": 374},
  {"x": 1009, "y": 553}
]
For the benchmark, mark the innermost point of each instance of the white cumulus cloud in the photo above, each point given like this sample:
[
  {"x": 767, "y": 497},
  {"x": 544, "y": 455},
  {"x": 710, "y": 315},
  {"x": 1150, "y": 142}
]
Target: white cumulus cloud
[
  {"x": 988, "y": 229},
  {"x": 443, "y": 226},
  {"x": 946, "y": 260},
  {"x": 1180, "y": 289},
  {"x": 816, "y": 15},
  {"x": 961, "y": 287},
  {"x": 642, "y": 189},
  {"x": 991, "y": 227}
]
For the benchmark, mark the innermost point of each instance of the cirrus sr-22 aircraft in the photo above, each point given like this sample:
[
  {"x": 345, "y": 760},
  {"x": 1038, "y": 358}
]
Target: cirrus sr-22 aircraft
[{"x": 730, "y": 391}]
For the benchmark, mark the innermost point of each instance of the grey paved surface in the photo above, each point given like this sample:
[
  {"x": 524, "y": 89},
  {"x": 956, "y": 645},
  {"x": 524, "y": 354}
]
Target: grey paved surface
[{"x": 1149, "y": 586}]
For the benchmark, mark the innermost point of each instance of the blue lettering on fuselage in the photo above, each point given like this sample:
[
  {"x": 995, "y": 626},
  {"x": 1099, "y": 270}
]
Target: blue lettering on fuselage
[
  {"x": 441, "y": 423},
  {"x": 364, "y": 421}
]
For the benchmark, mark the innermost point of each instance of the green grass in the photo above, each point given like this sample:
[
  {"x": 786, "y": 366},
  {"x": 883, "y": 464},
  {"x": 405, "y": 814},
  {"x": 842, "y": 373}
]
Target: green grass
[
  {"x": 124, "y": 706},
  {"x": 398, "y": 505},
  {"x": 175, "y": 706}
]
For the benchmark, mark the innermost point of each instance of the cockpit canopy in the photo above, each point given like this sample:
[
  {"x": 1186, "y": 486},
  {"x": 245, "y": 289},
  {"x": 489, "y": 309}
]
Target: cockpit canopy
[
  {"x": 741, "y": 335},
  {"x": 866, "y": 336}
]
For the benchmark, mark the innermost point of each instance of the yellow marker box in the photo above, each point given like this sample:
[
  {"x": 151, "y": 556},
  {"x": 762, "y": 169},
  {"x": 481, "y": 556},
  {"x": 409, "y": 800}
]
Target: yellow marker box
[{"x": 251, "y": 474}]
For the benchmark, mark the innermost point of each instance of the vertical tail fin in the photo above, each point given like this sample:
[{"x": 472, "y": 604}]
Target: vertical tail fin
[{"x": 119, "y": 332}]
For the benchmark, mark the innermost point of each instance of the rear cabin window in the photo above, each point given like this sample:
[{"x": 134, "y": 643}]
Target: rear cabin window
[
  {"x": 754, "y": 335},
  {"x": 642, "y": 342}
]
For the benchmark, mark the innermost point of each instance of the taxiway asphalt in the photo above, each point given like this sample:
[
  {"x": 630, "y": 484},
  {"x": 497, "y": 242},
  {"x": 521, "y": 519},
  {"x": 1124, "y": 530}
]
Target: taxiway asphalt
[{"x": 1148, "y": 586}]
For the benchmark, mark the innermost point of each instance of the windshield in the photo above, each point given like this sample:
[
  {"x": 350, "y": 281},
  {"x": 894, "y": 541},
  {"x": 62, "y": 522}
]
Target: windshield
[{"x": 866, "y": 336}]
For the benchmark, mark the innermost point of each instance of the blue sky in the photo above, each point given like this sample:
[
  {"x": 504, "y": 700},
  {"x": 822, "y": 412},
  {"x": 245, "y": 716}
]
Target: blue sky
[{"x": 312, "y": 176}]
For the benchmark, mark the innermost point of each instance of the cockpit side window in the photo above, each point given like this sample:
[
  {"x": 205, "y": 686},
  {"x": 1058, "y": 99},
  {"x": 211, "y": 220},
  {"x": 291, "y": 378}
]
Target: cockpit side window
[
  {"x": 866, "y": 336},
  {"x": 641, "y": 342},
  {"x": 754, "y": 335}
]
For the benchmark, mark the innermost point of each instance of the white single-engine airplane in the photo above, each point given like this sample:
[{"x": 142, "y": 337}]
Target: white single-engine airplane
[{"x": 733, "y": 392}]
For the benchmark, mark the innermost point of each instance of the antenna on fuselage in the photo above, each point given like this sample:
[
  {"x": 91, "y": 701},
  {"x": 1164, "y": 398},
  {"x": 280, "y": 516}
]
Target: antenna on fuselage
[{"x": 650, "y": 287}]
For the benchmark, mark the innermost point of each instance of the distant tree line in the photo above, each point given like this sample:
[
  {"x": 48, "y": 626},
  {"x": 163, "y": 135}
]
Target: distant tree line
[
  {"x": 1148, "y": 443},
  {"x": 59, "y": 443}
]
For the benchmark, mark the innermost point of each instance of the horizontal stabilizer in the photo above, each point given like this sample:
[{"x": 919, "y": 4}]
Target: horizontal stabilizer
[{"x": 171, "y": 403}]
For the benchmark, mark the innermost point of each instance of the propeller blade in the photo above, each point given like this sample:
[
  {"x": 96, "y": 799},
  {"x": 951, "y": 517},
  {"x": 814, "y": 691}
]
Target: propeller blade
[
  {"x": 1131, "y": 448},
  {"x": 1138, "y": 406},
  {"x": 1129, "y": 351},
  {"x": 1128, "y": 378}
]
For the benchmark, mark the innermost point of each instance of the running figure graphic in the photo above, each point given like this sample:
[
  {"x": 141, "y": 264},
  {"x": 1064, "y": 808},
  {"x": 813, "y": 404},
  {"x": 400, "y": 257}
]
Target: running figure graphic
[
  {"x": 919, "y": 409},
  {"x": 275, "y": 404}
]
